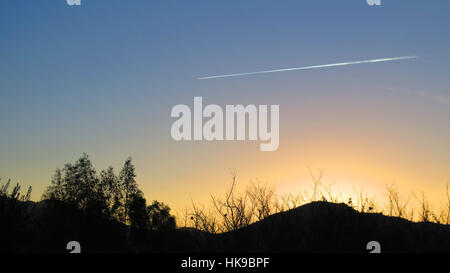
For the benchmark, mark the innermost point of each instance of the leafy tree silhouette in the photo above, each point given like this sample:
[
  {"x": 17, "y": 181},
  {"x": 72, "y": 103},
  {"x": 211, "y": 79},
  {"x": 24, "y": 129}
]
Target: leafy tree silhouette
[
  {"x": 108, "y": 195},
  {"x": 77, "y": 184},
  {"x": 129, "y": 186},
  {"x": 160, "y": 218},
  {"x": 138, "y": 212},
  {"x": 113, "y": 193}
]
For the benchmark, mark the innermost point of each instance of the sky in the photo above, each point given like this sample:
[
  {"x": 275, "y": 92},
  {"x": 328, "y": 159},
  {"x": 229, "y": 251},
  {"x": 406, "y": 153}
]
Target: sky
[{"x": 102, "y": 78}]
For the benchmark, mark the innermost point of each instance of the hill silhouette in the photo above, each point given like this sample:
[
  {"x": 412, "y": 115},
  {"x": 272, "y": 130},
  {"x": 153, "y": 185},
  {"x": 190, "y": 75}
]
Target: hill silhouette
[
  {"x": 327, "y": 227},
  {"x": 314, "y": 227},
  {"x": 108, "y": 213}
]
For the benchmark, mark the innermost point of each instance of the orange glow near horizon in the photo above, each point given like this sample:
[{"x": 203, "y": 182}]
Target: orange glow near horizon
[{"x": 357, "y": 145}]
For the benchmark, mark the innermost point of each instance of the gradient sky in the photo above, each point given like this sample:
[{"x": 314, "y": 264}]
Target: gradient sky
[{"x": 102, "y": 78}]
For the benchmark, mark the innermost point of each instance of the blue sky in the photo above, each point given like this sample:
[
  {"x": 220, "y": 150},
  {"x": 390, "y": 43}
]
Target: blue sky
[{"x": 101, "y": 78}]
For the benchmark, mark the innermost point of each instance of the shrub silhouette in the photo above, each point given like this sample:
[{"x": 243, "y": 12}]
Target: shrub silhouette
[
  {"x": 13, "y": 215},
  {"x": 259, "y": 201}
]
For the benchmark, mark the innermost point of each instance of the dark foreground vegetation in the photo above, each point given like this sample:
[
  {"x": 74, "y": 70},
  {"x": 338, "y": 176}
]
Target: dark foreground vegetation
[{"x": 108, "y": 213}]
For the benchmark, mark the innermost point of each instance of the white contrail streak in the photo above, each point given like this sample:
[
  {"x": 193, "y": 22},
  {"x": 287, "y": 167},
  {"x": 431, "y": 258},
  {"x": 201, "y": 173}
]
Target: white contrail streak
[{"x": 310, "y": 67}]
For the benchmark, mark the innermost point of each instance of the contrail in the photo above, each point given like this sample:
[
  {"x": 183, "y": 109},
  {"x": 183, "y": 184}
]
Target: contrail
[{"x": 310, "y": 67}]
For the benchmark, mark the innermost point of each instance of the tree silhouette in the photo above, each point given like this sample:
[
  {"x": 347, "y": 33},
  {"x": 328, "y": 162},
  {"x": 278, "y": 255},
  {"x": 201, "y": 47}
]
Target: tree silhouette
[
  {"x": 113, "y": 194},
  {"x": 129, "y": 186},
  {"x": 108, "y": 195},
  {"x": 78, "y": 184},
  {"x": 138, "y": 214},
  {"x": 160, "y": 218}
]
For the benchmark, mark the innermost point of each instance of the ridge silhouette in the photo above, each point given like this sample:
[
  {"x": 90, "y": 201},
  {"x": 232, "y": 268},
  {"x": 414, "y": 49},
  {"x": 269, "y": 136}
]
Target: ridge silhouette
[
  {"x": 108, "y": 213},
  {"x": 314, "y": 227}
]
